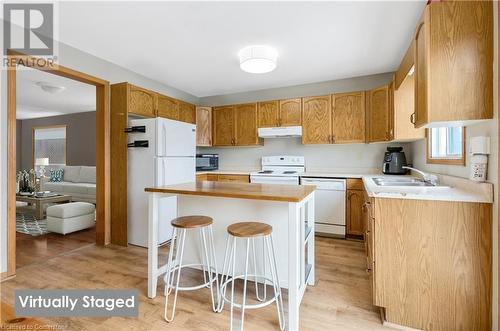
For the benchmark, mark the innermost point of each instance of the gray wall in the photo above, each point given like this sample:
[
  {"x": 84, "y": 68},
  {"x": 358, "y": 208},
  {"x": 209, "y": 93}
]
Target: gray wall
[
  {"x": 333, "y": 86},
  {"x": 80, "y": 138}
]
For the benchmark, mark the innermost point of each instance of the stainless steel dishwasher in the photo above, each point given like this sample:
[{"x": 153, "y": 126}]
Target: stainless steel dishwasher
[{"x": 329, "y": 205}]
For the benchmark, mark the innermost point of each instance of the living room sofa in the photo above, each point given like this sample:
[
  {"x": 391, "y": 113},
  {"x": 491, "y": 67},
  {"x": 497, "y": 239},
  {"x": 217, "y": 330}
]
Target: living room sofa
[{"x": 78, "y": 181}]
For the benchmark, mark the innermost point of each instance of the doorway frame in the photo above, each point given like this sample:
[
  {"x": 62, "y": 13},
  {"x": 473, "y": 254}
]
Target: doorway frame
[{"x": 103, "y": 218}]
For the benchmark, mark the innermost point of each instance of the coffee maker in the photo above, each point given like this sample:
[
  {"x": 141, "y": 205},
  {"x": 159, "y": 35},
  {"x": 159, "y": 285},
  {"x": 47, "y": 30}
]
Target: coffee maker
[{"x": 394, "y": 161}]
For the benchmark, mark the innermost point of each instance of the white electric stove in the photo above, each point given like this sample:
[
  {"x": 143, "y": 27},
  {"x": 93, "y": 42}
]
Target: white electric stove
[{"x": 280, "y": 169}]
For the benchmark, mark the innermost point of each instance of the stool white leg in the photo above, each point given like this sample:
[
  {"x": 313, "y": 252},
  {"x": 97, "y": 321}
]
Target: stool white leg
[
  {"x": 232, "y": 282},
  {"x": 210, "y": 274},
  {"x": 214, "y": 263},
  {"x": 168, "y": 289},
  {"x": 256, "y": 273},
  {"x": 202, "y": 257},
  {"x": 245, "y": 280},
  {"x": 276, "y": 285},
  {"x": 225, "y": 273},
  {"x": 181, "y": 243}
]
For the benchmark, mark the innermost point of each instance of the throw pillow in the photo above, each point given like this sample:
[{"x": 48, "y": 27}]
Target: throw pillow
[{"x": 56, "y": 175}]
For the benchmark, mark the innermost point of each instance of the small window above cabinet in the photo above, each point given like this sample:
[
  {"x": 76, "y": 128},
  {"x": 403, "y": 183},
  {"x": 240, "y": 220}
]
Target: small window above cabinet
[{"x": 446, "y": 145}]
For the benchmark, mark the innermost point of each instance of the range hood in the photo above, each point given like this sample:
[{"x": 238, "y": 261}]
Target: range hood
[{"x": 280, "y": 132}]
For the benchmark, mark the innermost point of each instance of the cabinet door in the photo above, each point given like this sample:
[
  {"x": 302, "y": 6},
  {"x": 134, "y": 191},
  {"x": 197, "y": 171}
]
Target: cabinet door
[
  {"x": 187, "y": 112},
  {"x": 142, "y": 102},
  {"x": 379, "y": 116},
  {"x": 355, "y": 202},
  {"x": 420, "y": 73},
  {"x": 203, "y": 126},
  {"x": 168, "y": 107},
  {"x": 348, "y": 117},
  {"x": 404, "y": 106},
  {"x": 268, "y": 114},
  {"x": 223, "y": 126},
  {"x": 245, "y": 124},
  {"x": 290, "y": 112},
  {"x": 316, "y": 120}
]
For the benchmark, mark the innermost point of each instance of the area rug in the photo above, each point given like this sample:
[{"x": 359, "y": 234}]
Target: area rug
[{"x": 28, "y": 224}]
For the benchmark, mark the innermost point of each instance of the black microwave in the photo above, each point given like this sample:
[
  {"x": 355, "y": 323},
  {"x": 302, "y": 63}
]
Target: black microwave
[{"x": 207, "y": 162}]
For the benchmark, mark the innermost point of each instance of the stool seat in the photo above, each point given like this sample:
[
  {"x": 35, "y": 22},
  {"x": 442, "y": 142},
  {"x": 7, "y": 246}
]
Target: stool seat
[
  {"x": 249, "y": 229},
  {"x": 191, "y": 222}
]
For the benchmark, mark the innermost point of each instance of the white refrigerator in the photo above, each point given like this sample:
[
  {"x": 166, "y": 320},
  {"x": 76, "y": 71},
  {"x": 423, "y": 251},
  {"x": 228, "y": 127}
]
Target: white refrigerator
[{"x": 168, "y": 159}]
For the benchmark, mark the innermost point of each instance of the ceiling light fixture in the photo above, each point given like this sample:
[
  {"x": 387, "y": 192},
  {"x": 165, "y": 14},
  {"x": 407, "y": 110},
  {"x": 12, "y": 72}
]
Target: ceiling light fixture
[
  {"x": 258, "y": 59},
  {"x": 49, "y": 88}
]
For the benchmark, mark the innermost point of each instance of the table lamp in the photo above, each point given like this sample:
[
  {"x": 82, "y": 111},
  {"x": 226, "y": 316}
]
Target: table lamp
[{"x": 42, "y": 162}]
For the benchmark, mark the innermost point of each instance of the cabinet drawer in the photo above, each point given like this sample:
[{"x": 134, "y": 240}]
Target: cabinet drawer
[
  {"x": 234, "y": 178},
  {"x": 355, "y": 184},
  {"x": 212, "y": 177},
  {"x": 201, "y": 177}
]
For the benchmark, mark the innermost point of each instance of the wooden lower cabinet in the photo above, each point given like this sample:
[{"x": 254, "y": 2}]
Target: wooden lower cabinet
[
  {"x": 430, "y": 262},
  {"x": 223, "y": 178},
  {"x": 354, "y": 215},
  {"x": 234, "y": 178}
]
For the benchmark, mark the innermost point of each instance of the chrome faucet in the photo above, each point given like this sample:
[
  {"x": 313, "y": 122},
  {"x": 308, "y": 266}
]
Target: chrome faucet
[{"x": 427, "y": 178}]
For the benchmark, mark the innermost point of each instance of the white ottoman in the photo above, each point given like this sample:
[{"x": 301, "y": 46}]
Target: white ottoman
[{"x": 70, "y": 217}]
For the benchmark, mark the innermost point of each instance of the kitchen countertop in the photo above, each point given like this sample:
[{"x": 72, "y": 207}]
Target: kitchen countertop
[
  {"x": 271, "y": 192},
  {"x": 459, "y": 189},
  {"x": 328, "y": 173}
]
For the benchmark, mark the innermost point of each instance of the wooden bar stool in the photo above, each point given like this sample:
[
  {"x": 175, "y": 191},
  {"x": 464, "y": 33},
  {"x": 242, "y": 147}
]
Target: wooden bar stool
[
  {"x": 250, "y": 231},
  {"x": 208, "y": 263}
]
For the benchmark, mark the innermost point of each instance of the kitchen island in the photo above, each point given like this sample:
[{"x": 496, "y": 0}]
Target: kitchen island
[{"x": 289, "y": 209}]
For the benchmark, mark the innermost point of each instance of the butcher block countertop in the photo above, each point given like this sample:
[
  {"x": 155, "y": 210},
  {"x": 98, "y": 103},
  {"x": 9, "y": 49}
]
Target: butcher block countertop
[{"x": 270, "y": 192}]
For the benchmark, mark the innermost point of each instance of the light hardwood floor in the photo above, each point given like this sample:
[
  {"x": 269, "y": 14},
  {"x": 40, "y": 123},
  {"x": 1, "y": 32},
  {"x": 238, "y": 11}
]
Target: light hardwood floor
[
  {"x": 38, "y": 249},
  {"x": 339, "y": 301}
]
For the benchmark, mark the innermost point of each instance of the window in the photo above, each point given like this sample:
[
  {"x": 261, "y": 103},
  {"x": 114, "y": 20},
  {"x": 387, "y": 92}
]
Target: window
[
  {"x": 446, "y": 145},
  {"x": 49, "y": 143}
]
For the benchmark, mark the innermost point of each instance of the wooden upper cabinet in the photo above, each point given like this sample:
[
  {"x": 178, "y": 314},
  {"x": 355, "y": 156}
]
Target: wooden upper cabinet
[
  {"x": 245, "y": 124},
  {"x": 187, "y": 112},
  {"x": 378, "y": 105},
  {"x": 317, "y": 120},
  {"x": 348, "y": 116},
  {"x": 203, "y": 126},
  {"x": 268, "y": 114},
  {"x": 454, "y": 62},
  {"x": 290, "y": 112},
  {"x": 142, "y": 102},
  {"x": 420, "y": 109},
  {"x": 168, "y": 107},
  {"x": 404, "y": 105},
  {"x": 223, "y": 126}
]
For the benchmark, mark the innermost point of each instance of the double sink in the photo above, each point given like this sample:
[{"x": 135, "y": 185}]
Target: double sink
[{"x": 404, "y": 182}]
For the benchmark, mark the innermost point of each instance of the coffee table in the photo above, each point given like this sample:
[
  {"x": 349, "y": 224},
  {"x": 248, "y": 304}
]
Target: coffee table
[{"x": 38, "y": 203}]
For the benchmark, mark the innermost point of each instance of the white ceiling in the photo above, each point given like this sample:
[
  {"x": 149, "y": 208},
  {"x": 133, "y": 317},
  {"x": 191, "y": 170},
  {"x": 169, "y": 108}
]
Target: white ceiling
[
  {"x": 194, "y": 46},
  {"x": 33, "y": 102}
]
